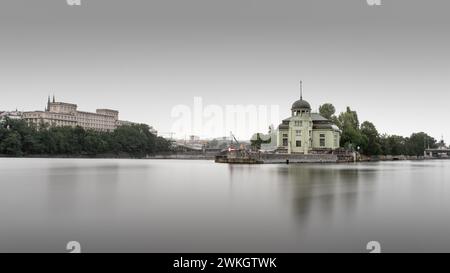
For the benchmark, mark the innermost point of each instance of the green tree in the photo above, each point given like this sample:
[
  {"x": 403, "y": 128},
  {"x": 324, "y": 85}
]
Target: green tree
[
  {"x": 256, "y": 143},
  {"x": 371, "y": 137},
  {"x": 349, "y": 118},
  {"x": 351, "y": 134},
  {"x": 327, "y": 110},
  {"x": 393, "y": 145},
  {"x": 17, "y": 138},
  {"x": 352, "y": 138},
  {"x": 162, "y": 145},
  {"x": 11, "y": 144},
  {"x": 418, "y": 142}
]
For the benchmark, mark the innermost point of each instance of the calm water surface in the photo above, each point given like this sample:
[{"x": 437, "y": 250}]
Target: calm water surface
[{"x": 200, "y": 206}]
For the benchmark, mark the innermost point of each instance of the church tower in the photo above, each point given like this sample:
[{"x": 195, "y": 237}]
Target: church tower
[{"x": 48, "y": 104}]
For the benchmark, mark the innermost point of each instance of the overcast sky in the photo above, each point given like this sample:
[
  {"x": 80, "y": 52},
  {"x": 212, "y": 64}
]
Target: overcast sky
[{"x": 143, "y": 57}]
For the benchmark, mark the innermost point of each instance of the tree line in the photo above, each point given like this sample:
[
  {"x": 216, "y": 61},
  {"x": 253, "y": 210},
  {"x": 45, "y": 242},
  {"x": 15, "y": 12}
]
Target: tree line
[
  {"x": 368, "y": 141},
  {"x": 18, "y": 138}
]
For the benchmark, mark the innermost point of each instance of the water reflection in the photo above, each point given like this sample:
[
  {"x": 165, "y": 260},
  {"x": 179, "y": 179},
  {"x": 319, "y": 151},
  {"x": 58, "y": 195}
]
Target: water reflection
[
  {"x": 323, "y": 189},
  {"x": 199, "y": 206}
]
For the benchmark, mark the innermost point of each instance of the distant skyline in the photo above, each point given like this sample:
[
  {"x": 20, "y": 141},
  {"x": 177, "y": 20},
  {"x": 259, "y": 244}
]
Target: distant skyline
[{"x": 390, "y": 63}]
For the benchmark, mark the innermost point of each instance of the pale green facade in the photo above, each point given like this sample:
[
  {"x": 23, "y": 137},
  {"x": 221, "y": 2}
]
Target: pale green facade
[{"x": 305, "y": 132}]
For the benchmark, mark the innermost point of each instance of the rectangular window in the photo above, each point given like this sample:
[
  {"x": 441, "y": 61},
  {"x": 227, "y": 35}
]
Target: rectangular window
[
  {"x": 285, "y": 135},
  {"x": 298, "y": 132},
  {"x": 322, "y": 135},
  {"x": 285, "y": 142},
  {"x": 298, "y": 123},
  {"x": 322, "y": 142},
  {"x": 298, "y": 143}
]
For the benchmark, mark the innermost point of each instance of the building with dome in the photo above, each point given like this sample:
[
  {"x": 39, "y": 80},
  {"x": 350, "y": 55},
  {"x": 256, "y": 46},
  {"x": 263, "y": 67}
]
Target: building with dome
[{"x": 306, "y": 132}]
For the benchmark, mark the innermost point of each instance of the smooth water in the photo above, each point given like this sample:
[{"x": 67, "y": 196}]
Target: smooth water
[{"x": 200, "y": 206}]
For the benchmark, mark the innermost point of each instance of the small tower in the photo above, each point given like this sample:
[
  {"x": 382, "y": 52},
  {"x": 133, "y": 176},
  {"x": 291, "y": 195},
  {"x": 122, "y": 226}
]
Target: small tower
[
  {"x": 301, "y": 107},
  {"x": 48, "y": 104}
]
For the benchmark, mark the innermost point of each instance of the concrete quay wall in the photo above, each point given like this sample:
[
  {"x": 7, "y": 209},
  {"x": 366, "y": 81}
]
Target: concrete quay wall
[{"x": 298, "y": 158}]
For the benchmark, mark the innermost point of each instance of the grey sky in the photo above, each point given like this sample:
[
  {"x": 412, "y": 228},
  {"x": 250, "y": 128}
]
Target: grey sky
[{"x": 390, "y": 63}]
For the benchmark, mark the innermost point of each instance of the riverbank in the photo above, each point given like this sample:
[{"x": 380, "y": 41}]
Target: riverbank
[
  {"x": 240, "y": 157},
  {"x": 102, "y": 156},
  {"x": 266, "y": 160},
  {"x": 120, "y": 156},
  {"x": 396, "y": 158}
]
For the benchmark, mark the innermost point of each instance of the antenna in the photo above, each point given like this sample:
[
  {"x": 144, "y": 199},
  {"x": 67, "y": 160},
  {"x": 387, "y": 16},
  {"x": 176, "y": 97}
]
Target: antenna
[{"x": 301, "y": 90}]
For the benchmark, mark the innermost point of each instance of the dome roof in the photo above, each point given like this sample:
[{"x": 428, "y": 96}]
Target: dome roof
[{"x": 301, "y": 104}]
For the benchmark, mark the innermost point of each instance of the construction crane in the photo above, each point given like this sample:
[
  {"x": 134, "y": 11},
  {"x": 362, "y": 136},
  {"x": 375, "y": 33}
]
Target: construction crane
[
  {"x": 233, "y": 138},
  {"x": 239, "y": 146}
]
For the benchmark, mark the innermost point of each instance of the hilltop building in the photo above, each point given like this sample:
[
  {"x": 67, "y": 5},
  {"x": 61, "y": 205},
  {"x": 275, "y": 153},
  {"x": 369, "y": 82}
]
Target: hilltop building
[{"x": 67, "y": 114}]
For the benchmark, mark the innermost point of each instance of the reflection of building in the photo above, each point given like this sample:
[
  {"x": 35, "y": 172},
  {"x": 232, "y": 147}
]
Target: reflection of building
[
  {"x": 66, "y": 114},
  {"x": 305, "y": 132}
]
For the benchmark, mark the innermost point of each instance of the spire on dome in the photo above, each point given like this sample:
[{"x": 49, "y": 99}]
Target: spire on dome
[{"x": 301, "y": 90}]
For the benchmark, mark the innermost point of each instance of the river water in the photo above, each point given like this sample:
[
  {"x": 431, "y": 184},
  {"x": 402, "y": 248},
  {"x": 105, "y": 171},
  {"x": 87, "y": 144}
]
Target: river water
[{"x": 199, "y": 206}]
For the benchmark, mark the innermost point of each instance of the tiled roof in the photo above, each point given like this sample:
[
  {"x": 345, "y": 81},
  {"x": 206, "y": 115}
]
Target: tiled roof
[{"x": 316, "y": 116}]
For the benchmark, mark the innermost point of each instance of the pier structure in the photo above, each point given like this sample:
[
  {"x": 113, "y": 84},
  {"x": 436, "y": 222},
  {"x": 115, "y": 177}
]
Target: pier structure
[
  {"x": 437, "y": 153},
  {"x": 442, "y": 151}
]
